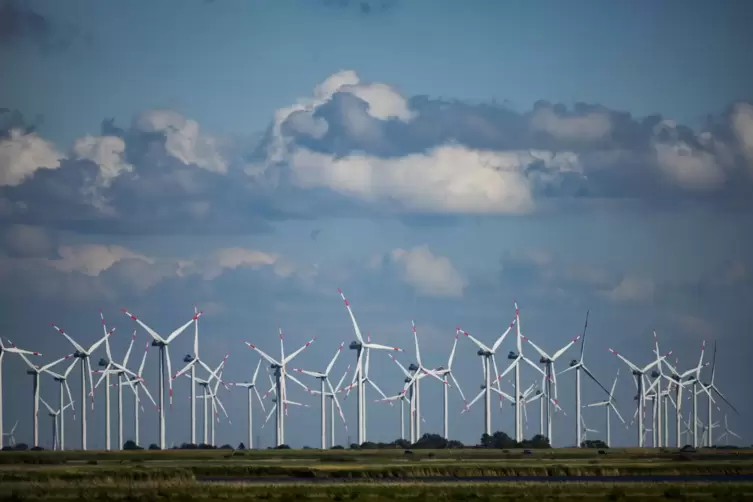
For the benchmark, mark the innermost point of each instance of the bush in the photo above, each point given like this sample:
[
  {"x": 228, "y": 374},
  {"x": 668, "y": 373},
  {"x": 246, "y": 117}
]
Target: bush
[
  {"x": 154, "y": 446},
  {"x": 241, "y": 446},
  {"x": 131, "y": 445}
]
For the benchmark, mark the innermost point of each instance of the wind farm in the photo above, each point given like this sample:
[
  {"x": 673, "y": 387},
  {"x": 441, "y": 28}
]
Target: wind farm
[{"x": 651, "y": 401}]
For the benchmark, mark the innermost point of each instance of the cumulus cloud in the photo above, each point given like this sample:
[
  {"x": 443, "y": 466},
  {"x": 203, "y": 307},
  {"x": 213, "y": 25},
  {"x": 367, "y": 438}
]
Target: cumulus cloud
[
  {"x": 21, "y": 155},
  {"x": 427, "y": 273},
  {"x": 633, "y": 289},
  {"x": 183, "y": 139},
  {"x": 363, "y": 148}
]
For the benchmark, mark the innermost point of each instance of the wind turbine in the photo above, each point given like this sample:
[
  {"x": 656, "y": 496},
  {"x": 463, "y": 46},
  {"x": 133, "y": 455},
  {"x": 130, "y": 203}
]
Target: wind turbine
[
  {"x": 56, "y": 442},
  {"x": 281, "y": 376},
  {"x": 413, "y": 374},
  {"x": 11, "y": 437},
  {"x": 64, "y": 387},
  {"x": 324, "y": 379},
  {"x": 110, "y": 367},
  {"x": 609, "y": 403},
  {"x": 709, "y": 388},
  {"x": 585, "y": 429},
  {"x": 487, "y": 353},
  {"x": 216, "y": 401},
  {"x": 444, "y": 373},
  {"x": 276, "y": 399},
  {"x": 359, "y": 378},
  {"x": 551, "y": 378},
  {"x": 727, "y": 433},
  {"x": 136, "y": 384},
  {"x": 251, "y": 388},
  {"x": 11, "y": 349},
  {"x": 191, "y": 361},
  {"x": 638, "y": 374},
  {"x": 206, "y": 393},
  {"x": 164, "y": 359},
  {"x": 331, "y": 396},
  {"x": 35, "y": 371},
  {"x": 578, "y": 365},
  {"x": 420, "y": 368},
  {"x": 84, "y": 355}
]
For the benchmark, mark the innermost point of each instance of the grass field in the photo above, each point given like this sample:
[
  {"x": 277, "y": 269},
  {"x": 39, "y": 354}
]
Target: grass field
[{"x": 172, "y": 475}]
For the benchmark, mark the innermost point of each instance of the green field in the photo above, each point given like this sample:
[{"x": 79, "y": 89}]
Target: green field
[{"x": 366, "y": 475}]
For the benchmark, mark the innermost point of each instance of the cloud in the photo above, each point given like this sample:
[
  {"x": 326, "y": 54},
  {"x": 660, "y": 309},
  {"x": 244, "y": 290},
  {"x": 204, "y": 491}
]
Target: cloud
[
  {"x": 22, "y": 241},
  {"x": 22, "y": 154},
  {"x": 633, "y": 289},
  {"x": 358, "y": 148},
  {"x": 427, "y": 273},
  {"x": 21, "y": 25}
]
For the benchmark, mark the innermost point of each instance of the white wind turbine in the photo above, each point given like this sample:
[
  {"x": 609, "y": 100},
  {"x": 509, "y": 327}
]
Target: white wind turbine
[
  {"x": 411, "y": 377},
  {"x": 35, "y": 371},
  {"x": 361, "y": 374},
  {"x": 276, "y": 399},
  {"x": 639, "y": 375},
  {"x": 551, "y": 379},
  {"x": 64, "y": 388},
  {"x": 676, "y": 379},
  {"x": 110, "y": 367},
  {"x": 84, "y": 355},
  {"x": 206, "y": 395},
  {"x": 444, "y": 373},
  {"x": 709, "y": 388},
  {"x": 137, "y": 383},
  {"x": 727, "y": 433},
  {"x": 609, "y": 404},
  {"x": 585, "y": 430},
  {"x": 417, "y": 369},
  {"x": 578, "y": 365},
  {"x": 191, "y": 361},
  {"x": 216, "y": 402},
  {"x": 56, "y": 442},
  {"x": 488, "y": 361},
  {"x": 10, "y": 435},
  {"x": 164, "y": 359},
  {"x": 324, "y": 379},
  {"x": 251, "y": 389},
  {"x": 331, "y": 396},
  {"x": 281, "y": 375},
  {"x": 11, "y": 349}
]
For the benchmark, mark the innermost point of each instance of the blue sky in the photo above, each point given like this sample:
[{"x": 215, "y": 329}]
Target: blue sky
[{"x": 436, "y": 160}]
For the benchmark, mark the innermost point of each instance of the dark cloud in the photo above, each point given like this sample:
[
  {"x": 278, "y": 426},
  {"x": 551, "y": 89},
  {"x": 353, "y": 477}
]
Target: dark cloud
[{"x": 21, "y": 25}]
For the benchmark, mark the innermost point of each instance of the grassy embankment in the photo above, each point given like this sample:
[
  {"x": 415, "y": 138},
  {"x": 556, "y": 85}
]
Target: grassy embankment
[{"x": 153, "y": 475}]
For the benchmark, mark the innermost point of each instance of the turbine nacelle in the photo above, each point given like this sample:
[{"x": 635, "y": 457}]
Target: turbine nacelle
[
  {"x": 481, "y": 352},
  {"x": 413, "y": 367},
  {"x": 573, "y": 362},
  {"x": 512, "y": 355},
  {"x": 355, "y": 345},
  {"x": 188, "y": 358},
  {"x": 102, "y": 362},
  {"x": 157, "y": 343},
  {"x": 544, "y": 360},
  {"x": 408, "y": 380},
  {"x": 637, "y": 373},
  {"x": 655, "y": 374}
]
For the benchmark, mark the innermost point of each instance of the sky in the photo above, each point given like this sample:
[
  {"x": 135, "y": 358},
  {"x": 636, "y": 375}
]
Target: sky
[{"x": 436, "y": 160}]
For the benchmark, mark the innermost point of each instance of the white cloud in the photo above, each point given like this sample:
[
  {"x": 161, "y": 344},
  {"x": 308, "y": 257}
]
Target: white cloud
[
  {"x": 383, "y": 103},
  {"x": 429, "y": 274},
  {"x": 633, "y": 289},
  {"x": 93, "y": 259},
  {"x": 183, "y": 139},
  {"x": 590, "y": 127},
  {"x": 105, "y": 151},
  {"x": 742, "y": 125},
  {"x": 22, "y": 154},
  {"x": 452, "y": 179}
]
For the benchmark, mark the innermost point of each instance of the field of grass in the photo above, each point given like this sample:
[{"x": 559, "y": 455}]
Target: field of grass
[
  {"x": 373, "y": 475},
  {"x": 477, "y": 492}
]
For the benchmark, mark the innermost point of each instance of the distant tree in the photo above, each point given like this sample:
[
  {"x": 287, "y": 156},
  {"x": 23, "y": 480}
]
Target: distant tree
[
  {"x": 431, "y": 442},
  {"x": 282, "y": 447},
  {"x": 154, "y": 446},
  {"x": 226, "y": 447},
  {"x": 452, "y": 443},
  {"x": 403, "y": 444},
  {"x": 21, "y": 447},
  {"x": 337, "y": 447},
  {"x": 594, "y": 443},
  {"x": 354, "y": 446},
  {"x": 306, "y": 447},
  {"x": 204, "y": 446},
  {"x": 37, "y": 448},
  {"x": 241, "y": 446},
  {"x": 131, "y": 445}
]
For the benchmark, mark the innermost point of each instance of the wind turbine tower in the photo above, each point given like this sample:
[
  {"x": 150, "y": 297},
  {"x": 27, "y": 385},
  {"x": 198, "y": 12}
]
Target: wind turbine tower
[{"x": 11, "y": 349}]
